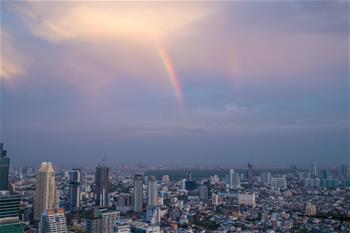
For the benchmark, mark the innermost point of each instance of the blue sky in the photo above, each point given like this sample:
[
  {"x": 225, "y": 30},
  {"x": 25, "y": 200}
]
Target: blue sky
[{"x": 266, "y": 82}]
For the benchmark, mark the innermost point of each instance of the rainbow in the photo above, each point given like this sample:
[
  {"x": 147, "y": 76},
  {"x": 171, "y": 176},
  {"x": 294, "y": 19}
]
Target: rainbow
[{"x": 174, "y": 80}]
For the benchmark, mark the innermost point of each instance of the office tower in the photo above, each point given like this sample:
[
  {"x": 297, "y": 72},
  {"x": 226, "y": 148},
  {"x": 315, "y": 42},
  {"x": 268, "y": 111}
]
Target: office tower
[
  {"x": 152, "y": 191},
  {"x": 53, "y": 221},
  {"x": 9, "y": 213},
  {"x": 246, "y": 199},
  {"x": 138, "y": 193},
  {"x": 203, "y": 193},
  {"x": 189, "y": 183},
  {"x": 266, "y": 178},
  {"x": 101, "y": 221},
  {"x": 189, "y": 176},
  {"x": 74, "y": 189},
  {"x": 310, "y": 210},
  {"x": 313, "y": 170},
  {"x": 101, "y": 188},
  {"x": 4, "y": 168},
  {"x": 236, "y": 181},
  {"x": 46, "y": 195},
  {"x": 250, "y": 174}
]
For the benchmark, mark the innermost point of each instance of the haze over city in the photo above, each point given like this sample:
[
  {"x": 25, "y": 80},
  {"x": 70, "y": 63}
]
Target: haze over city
[{"x": 175, "y": 83}]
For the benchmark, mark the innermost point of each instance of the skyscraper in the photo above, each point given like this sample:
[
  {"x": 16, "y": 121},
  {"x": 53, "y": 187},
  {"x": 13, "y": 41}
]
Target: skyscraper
[
  {"x": 266, "y": 177},
  {"x": 9, "y": 213},
  {"x": 189, "y": 176},
  {"x": 74, "y": 189},
  {"x": 203, "y": 193},
  {"x": 250, "y": 174},
  {"x": 313, "y": 170},
  {"x": 4, "y": 168},
  {"x": 231, "y": 173},
  {"x": 138, "y": 193},
  {"x": 53, "y": 221},
  {"x": 46, "y": 195},
  {"x": 102, "y": 184},
  {"x": 152, "y": 191}
]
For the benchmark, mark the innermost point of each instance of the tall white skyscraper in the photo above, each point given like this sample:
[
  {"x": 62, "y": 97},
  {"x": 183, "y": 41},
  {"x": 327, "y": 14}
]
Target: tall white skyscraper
[
  {"x": 232, "y": 172},
  {"x": 46, "y": 195},
  {"x": 138, "y": 193},
  {"x": 152, "y": 191},
  {"x": 53, "y": 221}
]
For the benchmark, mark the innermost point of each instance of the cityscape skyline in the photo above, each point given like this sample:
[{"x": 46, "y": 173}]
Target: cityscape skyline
[{"x": 175, "y": 83}]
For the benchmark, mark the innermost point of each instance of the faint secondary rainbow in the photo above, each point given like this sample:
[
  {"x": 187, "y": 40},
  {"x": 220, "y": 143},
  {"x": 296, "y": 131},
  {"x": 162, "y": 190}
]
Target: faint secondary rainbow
[{"x": 174, "y": 80}]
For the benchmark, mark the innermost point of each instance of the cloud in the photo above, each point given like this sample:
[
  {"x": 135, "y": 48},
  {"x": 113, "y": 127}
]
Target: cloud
[
  {"x": 11, "y": 63},
  {"x": 138, "y": 22}
]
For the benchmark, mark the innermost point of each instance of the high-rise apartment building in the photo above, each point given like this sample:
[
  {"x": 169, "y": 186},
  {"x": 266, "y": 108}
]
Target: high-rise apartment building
[
  {"x": 138, "y": 193},
  {"x": 9, "y": 213},
  {"x": 46, "y": 195},
  {"x": 4, "y": 168},
  {"x": 74, "y": 189},
  {"x": 152, "y": 191},
  {"x": 53, "y": 221},
  {"x": 266, "y": 177},
  {"x": 102, "y": 184}
]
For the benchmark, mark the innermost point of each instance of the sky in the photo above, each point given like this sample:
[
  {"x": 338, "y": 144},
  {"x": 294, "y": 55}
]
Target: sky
[{"x": 209, "y": 83}]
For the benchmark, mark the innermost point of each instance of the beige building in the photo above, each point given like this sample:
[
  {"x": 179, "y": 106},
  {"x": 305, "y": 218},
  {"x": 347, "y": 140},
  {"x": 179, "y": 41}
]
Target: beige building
[
  {"x": 53, "y": 221},
  {"x": 246, "y": 199},
  {"x": 46, "y": 195},
  {"x": 310, "y": 210}
]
